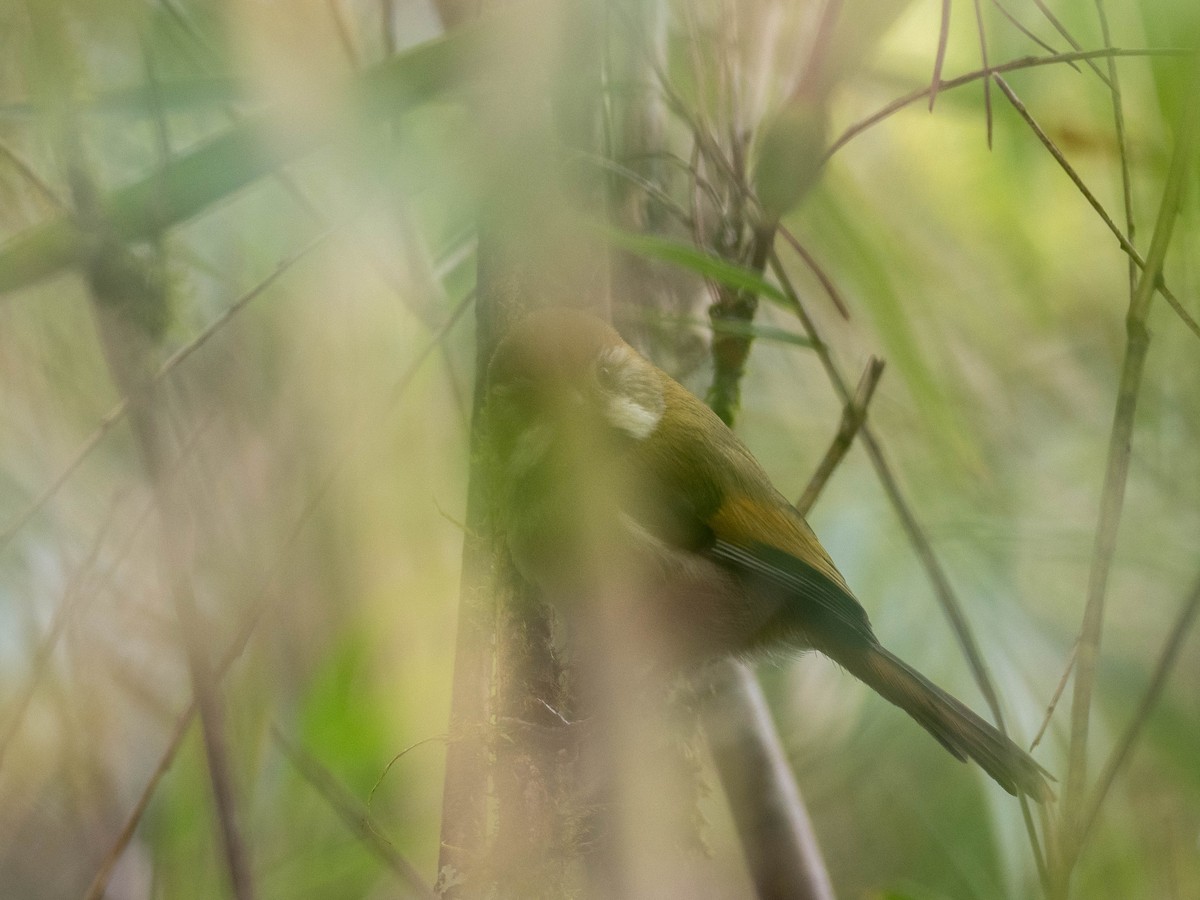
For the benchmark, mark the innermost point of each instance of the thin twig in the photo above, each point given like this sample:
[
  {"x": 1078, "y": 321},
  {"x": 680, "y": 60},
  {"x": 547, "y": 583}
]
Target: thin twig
[
  {"x": 263, "y": 599},
  {"x": 987, "y": 82},
  {"x": 122, "y": 305},
  {"x": 818, "y": 271},
  {"x": 1069, "y": 38},
  {"x": 939, "y": 58},
  {"x": 1130, "y": 251},
  {"x": 1058, "y": 692},
  {"x": 33, "y": 177},
  {"x": 1025, "y": 62},
  {"x": 854, "y": 414},
  {"x": 99, "y": 886},
  {"x": 924, "y": 549},
  {"x": 1017, "y": 24},
  {"x": 350, "y": 811},
  {"x": 117, "y": 414},
  {"x": 1122, "y": 141},
  {"x": 946, "y": 597},
  {"x": 1120, "y": 753}
]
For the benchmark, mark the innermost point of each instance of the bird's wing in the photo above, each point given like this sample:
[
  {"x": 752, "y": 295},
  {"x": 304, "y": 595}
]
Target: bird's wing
[
  {"x": 765, "y": 542},
  {"x": 772, "y": 546}
]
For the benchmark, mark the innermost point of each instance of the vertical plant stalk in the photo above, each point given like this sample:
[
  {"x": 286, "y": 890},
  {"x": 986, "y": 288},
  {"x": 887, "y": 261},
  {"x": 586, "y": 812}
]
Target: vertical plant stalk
[
  {"x": 1117, "y": 472},
  {"x": 129, "y": 304},
  {"x": 504, "y": 816},
  {"x": 465, "y": 788}
]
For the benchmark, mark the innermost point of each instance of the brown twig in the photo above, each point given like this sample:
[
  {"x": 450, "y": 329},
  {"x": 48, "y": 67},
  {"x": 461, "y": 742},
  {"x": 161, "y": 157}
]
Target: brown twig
[
  {"x": 1122, "y": 141},
  {"x": 129, "y": 304},
  {"x": 262, "y": 601},
  {"x": 1025, "y": 62},
  {"x": 777, "y": 836},
  {"x": 99, "y": 885},
  {"x": 1131, "y": 251},
  {"x": 946, "y": 597},
  {"x": 1058, "y": 692},
  {"x": 854, "y": 414},
  {"x": 987, "y": 82},
  {"x": 1120, "y": 753},
  {"x": 1017, "y": 24},
  {"x": 941, "y": 583},
  {"x": 117, "y": 414},
  {"x": 1069, "y": 38},
  {"x": 818, "y": 271},
  {"x": 353, "y": 813},
  {"x": 939, "y": 58}
]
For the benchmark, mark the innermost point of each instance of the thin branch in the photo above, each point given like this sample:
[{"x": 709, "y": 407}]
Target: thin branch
[
  {"x": 1122, "y": 142},
  {"x": 939, "y": 58},
  {"x": 777, "y": 836},
  {"x": 853, "y": 415},
  {"x": 1069, "y": 38},
  {"x": 946, "y": 597},
  {"x": 99, "y": 886},
  {"x": 1017, "y": 24},
  {"x": 353, "y": 813},
  {"x": 818, "y": 271},
  {"x": 264, "y": 599},
  {"x": 1162, "y": 671},
  {"x": 921, "y": 544},
  {"x": 1131, "y": 251},
  {"x": 1025, "y": 62},
  {"x": 117, "y": 414},
  {"x": 32, "y": 177},
  {"x": 128, "y": 305},
  {"x": 987, "y": 82},
  {"x": 1117, "y": 468},
  {"x": 1058, "y": 692}
]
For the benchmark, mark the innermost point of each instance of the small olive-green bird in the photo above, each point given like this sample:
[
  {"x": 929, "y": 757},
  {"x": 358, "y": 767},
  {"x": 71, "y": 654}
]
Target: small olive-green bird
[{"x": 590, "y": 440}]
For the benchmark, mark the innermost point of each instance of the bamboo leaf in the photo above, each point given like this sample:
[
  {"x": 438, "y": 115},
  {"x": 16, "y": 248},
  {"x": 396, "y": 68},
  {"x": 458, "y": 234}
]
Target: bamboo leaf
[
  {"x": 694, "y": 259},
  {"x": 246, "y": 152}
]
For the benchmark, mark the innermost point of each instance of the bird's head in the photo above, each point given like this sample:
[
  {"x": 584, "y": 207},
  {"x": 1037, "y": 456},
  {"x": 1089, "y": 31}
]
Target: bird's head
[{"x": 560, "y": 369}]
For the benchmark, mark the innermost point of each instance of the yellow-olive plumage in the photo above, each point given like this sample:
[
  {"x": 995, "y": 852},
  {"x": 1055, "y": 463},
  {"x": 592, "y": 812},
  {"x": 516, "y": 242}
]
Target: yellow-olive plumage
[{"x": 589, "y": 440}]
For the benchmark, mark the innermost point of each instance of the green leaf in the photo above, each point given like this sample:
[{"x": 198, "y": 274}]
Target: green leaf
[
  {"x": 247, "y": 151},
  {"x": 692, "y": 258}
]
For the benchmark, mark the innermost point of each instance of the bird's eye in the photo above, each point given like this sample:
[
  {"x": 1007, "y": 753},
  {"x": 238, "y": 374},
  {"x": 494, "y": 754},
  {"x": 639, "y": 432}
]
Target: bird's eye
[{"x": 608, "y": 373}]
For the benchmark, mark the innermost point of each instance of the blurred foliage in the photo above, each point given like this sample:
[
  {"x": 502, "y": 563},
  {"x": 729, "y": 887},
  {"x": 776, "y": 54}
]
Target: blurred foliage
[{"x": 226, "y": 137}]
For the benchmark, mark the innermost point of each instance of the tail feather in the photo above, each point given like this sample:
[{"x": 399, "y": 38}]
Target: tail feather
[{"x": 956, "y": 727}]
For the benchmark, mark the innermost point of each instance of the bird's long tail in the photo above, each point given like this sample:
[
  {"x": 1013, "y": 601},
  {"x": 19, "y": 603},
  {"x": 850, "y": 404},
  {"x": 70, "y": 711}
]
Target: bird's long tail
[{"x": 955, "y": 726}]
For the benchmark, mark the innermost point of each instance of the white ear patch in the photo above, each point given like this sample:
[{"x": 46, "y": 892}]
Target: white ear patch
[{"x": 635, "y": 419}]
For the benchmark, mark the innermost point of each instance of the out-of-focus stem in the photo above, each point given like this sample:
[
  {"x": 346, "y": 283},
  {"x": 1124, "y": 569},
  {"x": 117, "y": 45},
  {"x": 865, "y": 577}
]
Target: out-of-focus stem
[{"x": 1116, "y": 474}]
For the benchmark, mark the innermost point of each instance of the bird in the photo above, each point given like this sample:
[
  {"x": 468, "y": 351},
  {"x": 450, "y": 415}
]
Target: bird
[{"x": 589, "y": 443}]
